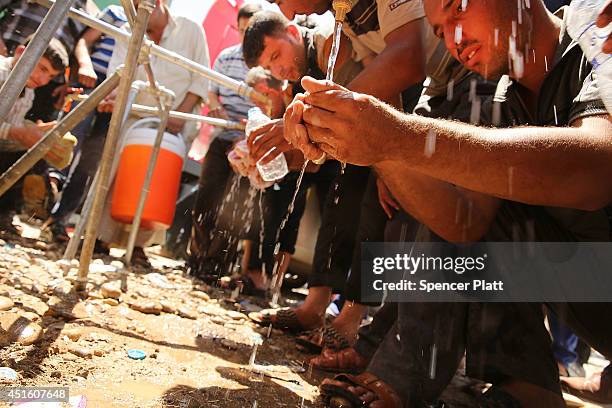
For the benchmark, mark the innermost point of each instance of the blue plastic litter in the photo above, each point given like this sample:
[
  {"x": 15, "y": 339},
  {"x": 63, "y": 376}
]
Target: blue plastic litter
[
  {"x": 136, "y": 354},
  {"x": 7, "y": 373}
]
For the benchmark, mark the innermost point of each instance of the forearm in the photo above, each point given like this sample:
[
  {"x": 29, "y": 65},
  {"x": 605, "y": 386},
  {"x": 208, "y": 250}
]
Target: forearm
[
  {"x": 81, "y": 53},
  {"x": 396, "y": 60},
  {"x": 565, "y": 167},
  {"x": 213, "y": 101},
  {"x": 454, "y": 214},
  {"x": 189, "y": 102}
]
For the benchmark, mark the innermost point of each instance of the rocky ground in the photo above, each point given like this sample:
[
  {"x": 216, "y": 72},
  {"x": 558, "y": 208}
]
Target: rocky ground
[{"x": 197, "y": 341}]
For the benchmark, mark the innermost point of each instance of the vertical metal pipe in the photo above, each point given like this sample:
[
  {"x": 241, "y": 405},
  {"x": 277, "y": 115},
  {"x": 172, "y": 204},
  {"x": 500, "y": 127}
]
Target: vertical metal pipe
[
  {"x": 130, "y": 12},
  {"x": 23, "y": 69},
  {"x": 75, "y": 240},
  {"x": 40, "y": 149},
  {"x": 165, "y": 105},
  {"x": 145, "y": 8}
]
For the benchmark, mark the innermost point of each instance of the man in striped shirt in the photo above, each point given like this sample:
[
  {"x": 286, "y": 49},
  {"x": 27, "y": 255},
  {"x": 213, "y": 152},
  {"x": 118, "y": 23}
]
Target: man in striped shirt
[{"x": 16, "y": 134}]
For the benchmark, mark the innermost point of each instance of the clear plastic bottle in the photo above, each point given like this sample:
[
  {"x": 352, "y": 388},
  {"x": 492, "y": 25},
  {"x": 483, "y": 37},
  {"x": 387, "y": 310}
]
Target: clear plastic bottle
[
  {"x": 581, "y": 27},
  {"x": 277, "y": 168}
]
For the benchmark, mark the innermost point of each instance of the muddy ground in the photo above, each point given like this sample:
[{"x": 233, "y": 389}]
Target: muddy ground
[{"x": 197, "y": 341}]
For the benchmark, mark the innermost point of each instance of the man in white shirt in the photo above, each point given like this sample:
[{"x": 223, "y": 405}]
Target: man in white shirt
[{"x": 185, "y": 37}]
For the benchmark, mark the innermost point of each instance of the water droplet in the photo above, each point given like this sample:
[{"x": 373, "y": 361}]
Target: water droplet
[
  {"x": 430, "y": 143},
  {"x": 458, "y": 33}
]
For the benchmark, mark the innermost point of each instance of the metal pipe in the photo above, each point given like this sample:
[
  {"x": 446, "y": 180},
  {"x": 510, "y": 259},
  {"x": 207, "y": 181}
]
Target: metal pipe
[
  {"x": 130, "y": 11},
  {"x": 143, "y": 110},
  {"x": 145, "y": 8},
  {"x": 40, "y": 149},
  {"x": 239, "y": 87},
  {"x": 19, "y": 75},
  {"x": 75, "y": 240},
  {"x": 165, "y": 104}
]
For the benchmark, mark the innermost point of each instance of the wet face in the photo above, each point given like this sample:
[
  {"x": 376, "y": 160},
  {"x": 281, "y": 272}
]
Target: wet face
[
  {"x": 284, "y": 55},
  {"x": 275, "y": 96},
  {"x": 42, "y": 74},
  {"x": 292, "y": 7},
  {"x": 478, "y": 33}
]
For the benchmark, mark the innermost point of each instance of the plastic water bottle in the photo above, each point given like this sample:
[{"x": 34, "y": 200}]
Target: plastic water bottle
[
  {"x": 581, "y": 27},
  {"x": 277, "y": 168}
]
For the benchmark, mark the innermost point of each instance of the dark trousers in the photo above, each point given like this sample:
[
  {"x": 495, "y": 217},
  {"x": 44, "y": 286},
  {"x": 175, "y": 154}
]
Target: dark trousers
[
  {"x": 371, "y": 229},
  {"x": 276, "y": 201},
  {"x": 336, "y": 238},
  {"x": 423, "y": 347}
]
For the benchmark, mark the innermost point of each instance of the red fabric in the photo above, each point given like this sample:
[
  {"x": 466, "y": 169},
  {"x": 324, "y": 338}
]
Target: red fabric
[{"x": 221, "y": 32}]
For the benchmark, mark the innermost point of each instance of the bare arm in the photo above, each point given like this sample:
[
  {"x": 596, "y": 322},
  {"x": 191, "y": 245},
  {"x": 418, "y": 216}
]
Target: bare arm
[
  {"x": 565, "y": 167},
  {"x": 87, "y": 76},
  {"x": 556, "y": 166},
  {"x": 403, "y": 56}
]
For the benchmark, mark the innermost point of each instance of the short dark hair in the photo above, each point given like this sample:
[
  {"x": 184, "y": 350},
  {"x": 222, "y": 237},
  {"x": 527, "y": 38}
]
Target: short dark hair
[
  {"x": 263, "y": 24},
  {"x": 56, "y": 53},
  {"x": 258, "y": 74},
  {"x": 247, "y": 10}
]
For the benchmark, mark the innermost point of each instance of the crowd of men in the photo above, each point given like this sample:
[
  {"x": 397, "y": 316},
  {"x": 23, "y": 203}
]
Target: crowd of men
[{"x": 447, "y": 121}]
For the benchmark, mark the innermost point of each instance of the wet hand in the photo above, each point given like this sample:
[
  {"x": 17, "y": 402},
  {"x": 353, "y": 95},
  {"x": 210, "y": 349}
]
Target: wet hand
[
  {"x": 346, "y": 125},
  {"x": 87, "y": 76},
  {"x": 295, "y": 130},
  {"x": 267, "y": 142},
  {"x": 605, "y": 18}
]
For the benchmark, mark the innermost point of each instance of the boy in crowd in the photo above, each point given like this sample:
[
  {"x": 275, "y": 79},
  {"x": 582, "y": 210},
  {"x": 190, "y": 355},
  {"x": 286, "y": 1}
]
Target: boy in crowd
[{"x": 17, "y": 135}]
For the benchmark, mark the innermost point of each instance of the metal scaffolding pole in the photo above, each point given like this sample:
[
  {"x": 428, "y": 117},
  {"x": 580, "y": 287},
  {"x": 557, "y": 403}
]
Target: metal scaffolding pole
[
  {"x": 19, "y": 75},
  {"x": 75, "y": 240},
  {"x": 121, "y": 35},
  {"x": 143, "y": 110},
  {"x": 166, "y": 99},
  {"x": 145, "y": 8},
  {"x": 40, "y": 149}
]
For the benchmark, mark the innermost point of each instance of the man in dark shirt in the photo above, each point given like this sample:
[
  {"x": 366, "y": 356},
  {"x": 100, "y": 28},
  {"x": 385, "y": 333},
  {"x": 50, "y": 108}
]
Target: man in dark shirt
[{"x": 558, "y": 160}]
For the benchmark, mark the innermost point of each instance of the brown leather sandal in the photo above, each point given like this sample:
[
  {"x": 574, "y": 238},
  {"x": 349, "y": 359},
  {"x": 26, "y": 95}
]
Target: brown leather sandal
[
  {"x": 340, "y": 361},
  {"x": 337, "y": 394},
  {"x": 316, "y": 340},
  {"x": 284, "y": 319}
]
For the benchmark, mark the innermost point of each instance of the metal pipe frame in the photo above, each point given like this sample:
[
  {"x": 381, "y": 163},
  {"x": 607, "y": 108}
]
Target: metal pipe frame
[
  {"x": 75, "y": 240},
  {"x": 54, "y": 135},
  {"x": 143, "y": 110},
  {"x": 145, "y": 8},
  {"x": 153, "y": 49},
  {"x": 166, "y": 100},
  {"x": 19, "y": 75}
]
